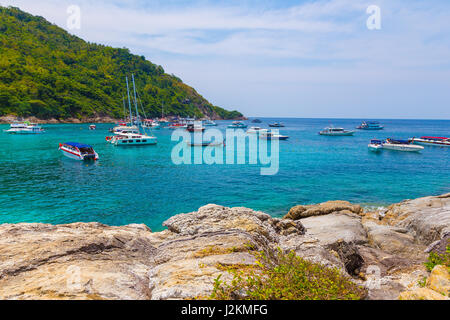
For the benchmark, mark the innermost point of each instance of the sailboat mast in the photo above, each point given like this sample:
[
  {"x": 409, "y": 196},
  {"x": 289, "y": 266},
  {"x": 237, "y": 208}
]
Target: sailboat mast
[
  {"x": 124, "y": 109},
  {"x": 135, "y": 102},
  {"x": 129, "y": 102}
]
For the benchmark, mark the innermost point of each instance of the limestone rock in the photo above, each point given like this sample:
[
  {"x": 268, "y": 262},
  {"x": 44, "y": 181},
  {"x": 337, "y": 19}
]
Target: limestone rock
[
  {"x": 439, "y": 280},
  {"x": 427, "y": 219},
  {"x": 300, "y": 212},
  {"x": 336, "y": 226},
  {"x": 421, "y": 294}
]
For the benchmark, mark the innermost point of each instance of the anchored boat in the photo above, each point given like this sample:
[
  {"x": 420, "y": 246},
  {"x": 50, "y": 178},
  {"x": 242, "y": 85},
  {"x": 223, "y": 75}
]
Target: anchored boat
[
  {"x": 331, "y": 131},
  {"x": 78, "y": 151},
  {"x": 131, "y": 135},
  {"x": 276, "y": 125},
  {"x": 401, "y": 145},
  {"x": 24, "y": 128},
  {"x": 370, "y": 125},
  {"x": 269, "y": 135},
  {"x": 375, "y": 145},
  {"x": 237, "y": 125},
  {"x": 432, "y": 141}
]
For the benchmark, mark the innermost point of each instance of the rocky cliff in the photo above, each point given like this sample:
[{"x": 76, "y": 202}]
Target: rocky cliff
[{"x": 382, "y": 250}]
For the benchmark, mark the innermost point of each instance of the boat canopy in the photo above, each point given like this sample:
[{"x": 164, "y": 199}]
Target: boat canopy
[
  {"x": 398, "y": 141},
  {"x": 374, "y": 141},
  {"x": 78, "y": 145}
]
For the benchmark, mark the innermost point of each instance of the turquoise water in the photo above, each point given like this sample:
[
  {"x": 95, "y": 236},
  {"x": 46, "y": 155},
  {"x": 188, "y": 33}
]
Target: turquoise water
[{"x": 142, "y": 185}]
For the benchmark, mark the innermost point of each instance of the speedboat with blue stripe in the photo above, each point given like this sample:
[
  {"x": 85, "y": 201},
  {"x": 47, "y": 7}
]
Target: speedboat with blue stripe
[{"x": 78, "y": 151}]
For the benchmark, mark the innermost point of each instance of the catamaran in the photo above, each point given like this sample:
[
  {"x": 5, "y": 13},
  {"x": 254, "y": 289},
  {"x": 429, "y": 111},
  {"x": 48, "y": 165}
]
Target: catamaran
[
  {"x": 78, "y": 151},
  {"x": 131, "y": 136},
  {"x": 24, "y": 128}
]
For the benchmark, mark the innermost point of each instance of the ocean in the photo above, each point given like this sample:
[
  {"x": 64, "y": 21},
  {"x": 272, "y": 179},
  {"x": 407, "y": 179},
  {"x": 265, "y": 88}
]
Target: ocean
[{"x": 143, "y": 185}]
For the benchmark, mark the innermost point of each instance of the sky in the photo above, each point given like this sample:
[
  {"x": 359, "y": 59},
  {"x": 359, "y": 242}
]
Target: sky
[{"x": 284, "y": 58}]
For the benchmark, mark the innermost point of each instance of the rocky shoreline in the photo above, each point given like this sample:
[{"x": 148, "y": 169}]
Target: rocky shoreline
[{"x": 382, "y": 250}]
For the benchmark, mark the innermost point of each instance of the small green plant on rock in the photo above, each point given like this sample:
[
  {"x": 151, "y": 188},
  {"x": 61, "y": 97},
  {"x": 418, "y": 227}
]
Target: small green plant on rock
[
  {"x": 285, "y": 276},
  {"x": 435, "y": 259}
]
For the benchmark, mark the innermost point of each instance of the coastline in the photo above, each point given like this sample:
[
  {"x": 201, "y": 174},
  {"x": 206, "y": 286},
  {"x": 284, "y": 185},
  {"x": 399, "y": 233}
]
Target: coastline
[
  {"x": 183, "y": 261},
  {"x": 106, "y": 119}
]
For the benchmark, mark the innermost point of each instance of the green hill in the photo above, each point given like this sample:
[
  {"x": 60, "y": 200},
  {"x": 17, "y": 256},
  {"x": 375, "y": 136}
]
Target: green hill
[{"x": 47, "y": 73}]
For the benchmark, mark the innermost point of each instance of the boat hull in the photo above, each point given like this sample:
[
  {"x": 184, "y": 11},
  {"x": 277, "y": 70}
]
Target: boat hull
[
  {"x": 403, "y": 147},
  {"x": 134, "y": 142},
  {"x": 337, "y": 134},
  {"x": 431, "y": 143}
]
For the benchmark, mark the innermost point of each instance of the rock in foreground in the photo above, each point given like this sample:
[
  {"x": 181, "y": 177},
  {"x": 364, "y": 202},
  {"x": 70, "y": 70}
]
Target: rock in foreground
[{"x": 95, "y": 261}]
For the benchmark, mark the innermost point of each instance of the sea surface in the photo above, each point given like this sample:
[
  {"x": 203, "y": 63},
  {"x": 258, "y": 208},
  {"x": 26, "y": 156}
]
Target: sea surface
[{"x": 143, "y": 185}]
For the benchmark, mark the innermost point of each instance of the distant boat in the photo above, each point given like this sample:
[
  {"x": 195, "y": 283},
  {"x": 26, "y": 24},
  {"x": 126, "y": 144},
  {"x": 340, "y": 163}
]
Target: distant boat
[
  {"x": 370, "y": 125},
  {"x": 269, "y": 135},
  {"x": 92, "y": 127},
  {"x": 276, "y": 125},
  {"x": 209, "y": 123},
  {"x": 237, "y": 124},
  {"x": 194, "y": 128},
  {"x": 24, "y": 128},
  {"x": 432, "y": 141},
  {"x": 205, "y": 144},
  {"x": 256, "y": 121},
  {"x": 78, "y": 151},
  {"x": 255, "y": 130},
  {"x": 331, "y": 131},
  {"x": 401, "y": 145}
]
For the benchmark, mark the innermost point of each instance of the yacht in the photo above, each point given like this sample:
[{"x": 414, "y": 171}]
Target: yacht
[
  {"x": 336, "y": 132},
  {"x": 24, "y": 128},
  {"x": 237, "y": 125},
  {"x": 370, "y": 125},
  {"x": 432, "y": 141},
  {"x": 401, "y": 145},
  {"x": 276, "y": 125},
  {"x": 78, "y": 151}
]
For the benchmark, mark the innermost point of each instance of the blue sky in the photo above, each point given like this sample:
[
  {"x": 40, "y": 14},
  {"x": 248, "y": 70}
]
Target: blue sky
[{"x": 284, "y": 58}]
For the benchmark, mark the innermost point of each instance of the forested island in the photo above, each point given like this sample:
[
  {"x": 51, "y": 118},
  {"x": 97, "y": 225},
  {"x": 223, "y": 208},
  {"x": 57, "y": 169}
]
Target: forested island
[{"x": 47, "y": 73}]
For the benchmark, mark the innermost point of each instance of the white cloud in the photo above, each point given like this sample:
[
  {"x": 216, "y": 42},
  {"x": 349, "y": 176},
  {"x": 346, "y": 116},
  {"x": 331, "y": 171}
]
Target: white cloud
[{"x": 250, "y": 57}]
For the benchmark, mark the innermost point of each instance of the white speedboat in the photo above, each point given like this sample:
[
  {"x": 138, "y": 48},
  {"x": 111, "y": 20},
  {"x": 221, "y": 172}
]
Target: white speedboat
[
  {"x": 432, "y": 141},
  {"x": 401, "y": 145},
  {"x": 78, "y": 151},
  {"x": 375, "y": 145},
  {"x": 92, "y": 127},
  {"x": 331, "y": 131},
  {"x": 24, "y": 128}
]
